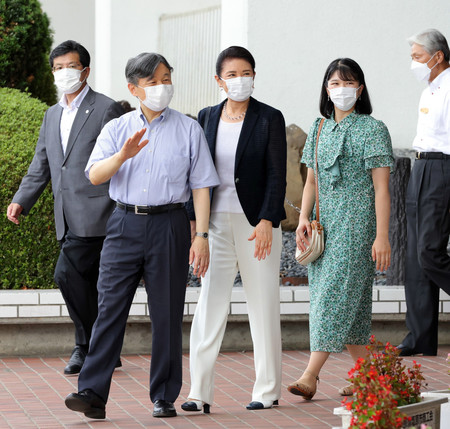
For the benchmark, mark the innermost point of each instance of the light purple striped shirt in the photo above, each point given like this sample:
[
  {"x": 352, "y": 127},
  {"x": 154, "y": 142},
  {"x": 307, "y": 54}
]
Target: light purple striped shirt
[{"x": 175, "y": 160}]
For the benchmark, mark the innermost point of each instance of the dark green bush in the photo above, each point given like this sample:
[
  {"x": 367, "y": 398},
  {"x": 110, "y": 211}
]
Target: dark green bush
[
  {"x": 25, "y": 43},
  {"x": 28, "y": 251}
]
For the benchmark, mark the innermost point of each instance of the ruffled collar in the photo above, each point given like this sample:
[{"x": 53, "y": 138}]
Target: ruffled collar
[{"x": 333, "y": 138}]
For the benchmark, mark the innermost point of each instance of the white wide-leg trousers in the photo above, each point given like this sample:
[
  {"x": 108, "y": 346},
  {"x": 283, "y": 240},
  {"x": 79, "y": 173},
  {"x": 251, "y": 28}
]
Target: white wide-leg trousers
[{"x": 231, "y": 251}]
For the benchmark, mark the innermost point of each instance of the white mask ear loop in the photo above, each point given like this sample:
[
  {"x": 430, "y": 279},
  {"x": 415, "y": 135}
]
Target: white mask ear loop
[{"x": 431, "y": 59}]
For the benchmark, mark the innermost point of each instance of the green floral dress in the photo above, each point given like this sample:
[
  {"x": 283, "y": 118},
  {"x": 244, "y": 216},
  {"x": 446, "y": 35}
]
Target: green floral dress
[{"x": 341, "y": 279}]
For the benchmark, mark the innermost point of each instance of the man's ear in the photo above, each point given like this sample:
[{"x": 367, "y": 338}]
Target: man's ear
[
  {"x": 88, "y": 72},
  {"x": 132, "y": 89}
]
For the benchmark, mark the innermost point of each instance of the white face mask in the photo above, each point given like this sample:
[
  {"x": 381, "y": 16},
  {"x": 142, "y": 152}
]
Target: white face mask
[
  {"x": 157, "y": 97},
  {"x": 421, "y": 70},
  {"x": 239, "y": 88},
  {"x": 68, "y": 80},
  {"x": 344, "y": 98}
]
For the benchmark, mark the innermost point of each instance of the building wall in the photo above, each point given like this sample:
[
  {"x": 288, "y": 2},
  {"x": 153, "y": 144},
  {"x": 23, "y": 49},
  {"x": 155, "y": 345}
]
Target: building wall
[
  {"x": 294, "y": 41},
  {"x": 191, "y": 40},
  {"x": 113, "y": 31}
]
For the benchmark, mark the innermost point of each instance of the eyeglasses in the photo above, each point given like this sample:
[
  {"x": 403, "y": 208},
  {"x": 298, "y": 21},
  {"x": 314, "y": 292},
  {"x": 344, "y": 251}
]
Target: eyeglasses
[{"x": 74, "y": 66}]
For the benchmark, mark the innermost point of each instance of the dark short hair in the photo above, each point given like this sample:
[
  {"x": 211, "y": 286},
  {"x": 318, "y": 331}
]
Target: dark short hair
[
  {"x": 71, "y": 46},
  {"x": 347, "y": 69},
  {"x": 144, "y": 66},
  {"x": 234, "y": 52}
]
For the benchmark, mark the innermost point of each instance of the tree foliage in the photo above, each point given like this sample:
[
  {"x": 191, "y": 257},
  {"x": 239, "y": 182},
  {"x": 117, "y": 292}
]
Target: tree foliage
[{"x": 25, "y": 44}]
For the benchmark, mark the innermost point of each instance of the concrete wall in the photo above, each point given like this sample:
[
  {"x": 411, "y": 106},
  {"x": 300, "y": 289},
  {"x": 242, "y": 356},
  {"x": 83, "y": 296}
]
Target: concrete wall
[
  {"x": 36, "y": 322},
  {"x": 294, "y": 41},
  {"x": 113, "y": 31}
]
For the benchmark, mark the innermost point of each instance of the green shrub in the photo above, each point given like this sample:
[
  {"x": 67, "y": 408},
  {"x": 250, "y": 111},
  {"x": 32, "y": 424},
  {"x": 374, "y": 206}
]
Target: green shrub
[
  {"x": 25, "y": 43},
  {"x": 28, "y": 251}
]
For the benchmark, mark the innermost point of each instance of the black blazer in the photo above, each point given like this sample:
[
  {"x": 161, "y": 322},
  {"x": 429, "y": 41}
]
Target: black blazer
[{"x": 260, "y": 166}]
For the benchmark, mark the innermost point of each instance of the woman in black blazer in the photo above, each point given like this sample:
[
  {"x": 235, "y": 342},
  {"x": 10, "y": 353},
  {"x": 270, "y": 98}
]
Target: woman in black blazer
[{"x": 247, "y": 140}]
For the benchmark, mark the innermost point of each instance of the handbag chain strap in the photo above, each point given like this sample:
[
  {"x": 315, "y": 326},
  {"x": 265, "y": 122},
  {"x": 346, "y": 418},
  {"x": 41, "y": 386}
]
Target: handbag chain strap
[{"x": 317, "y": 171}]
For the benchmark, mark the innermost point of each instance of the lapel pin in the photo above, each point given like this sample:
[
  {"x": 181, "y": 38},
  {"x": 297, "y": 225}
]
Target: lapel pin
[{"x": 87, "y": 111}]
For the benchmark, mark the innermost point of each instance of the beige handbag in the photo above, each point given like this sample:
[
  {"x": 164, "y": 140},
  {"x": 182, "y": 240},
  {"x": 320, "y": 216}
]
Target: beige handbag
[{"x": 316, "y": 241}]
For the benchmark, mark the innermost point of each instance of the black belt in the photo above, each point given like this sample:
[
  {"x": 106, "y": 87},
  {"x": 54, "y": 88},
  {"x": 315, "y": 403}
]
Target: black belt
[
  {"x": 431, "y": 155},
  {"x": 146, "y": 210}
]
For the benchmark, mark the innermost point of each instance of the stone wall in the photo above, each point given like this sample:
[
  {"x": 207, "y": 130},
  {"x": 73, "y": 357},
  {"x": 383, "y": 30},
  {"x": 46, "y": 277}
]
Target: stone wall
[{"x": 296, "y": 174}]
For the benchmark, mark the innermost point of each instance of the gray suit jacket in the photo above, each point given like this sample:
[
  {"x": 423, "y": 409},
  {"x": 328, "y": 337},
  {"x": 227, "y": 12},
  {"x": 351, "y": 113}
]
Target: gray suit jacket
[{"x": 85, "y": 207}]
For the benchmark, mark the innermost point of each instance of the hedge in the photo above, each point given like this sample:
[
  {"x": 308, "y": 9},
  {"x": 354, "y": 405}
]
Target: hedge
[{"x": 28, "y": 251}]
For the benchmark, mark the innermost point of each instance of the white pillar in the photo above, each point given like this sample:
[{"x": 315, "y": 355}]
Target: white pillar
[
  {"x": 234, "y": 26},
  {"x": 103, "y": 52}
]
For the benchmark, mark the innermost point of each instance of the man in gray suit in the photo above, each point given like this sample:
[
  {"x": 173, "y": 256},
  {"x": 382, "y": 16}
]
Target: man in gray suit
[{"x": 67, "y": 137}]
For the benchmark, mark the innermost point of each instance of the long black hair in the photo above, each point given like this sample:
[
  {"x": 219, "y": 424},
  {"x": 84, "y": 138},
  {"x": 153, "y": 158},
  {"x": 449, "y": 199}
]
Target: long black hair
[{"x": 347, "y": 69}]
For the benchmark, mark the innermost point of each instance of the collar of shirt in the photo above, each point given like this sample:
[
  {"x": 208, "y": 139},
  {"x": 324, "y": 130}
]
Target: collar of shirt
[
  {"x": 435, "y": 84},
  {"x": 345, "y": 123},
  {"x": 75, "y": 103},
  {"x": 163, "y": 116}
]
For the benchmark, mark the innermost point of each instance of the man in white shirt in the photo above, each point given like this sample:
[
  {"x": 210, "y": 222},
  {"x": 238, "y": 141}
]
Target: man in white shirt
[
  {"x": 428, "y": 197},
  {"x": 66, "y": 139}
]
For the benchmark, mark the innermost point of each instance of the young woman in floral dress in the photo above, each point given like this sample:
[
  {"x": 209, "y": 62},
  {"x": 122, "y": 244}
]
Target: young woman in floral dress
[{"x": 354, "y": 161}]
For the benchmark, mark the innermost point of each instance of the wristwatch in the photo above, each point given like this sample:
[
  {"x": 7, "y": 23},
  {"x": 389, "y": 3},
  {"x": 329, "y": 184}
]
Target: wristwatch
[{"x": 202, "y": 234}]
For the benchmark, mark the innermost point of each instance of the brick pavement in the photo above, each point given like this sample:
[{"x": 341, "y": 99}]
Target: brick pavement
[{"x": 32, "y": 392}]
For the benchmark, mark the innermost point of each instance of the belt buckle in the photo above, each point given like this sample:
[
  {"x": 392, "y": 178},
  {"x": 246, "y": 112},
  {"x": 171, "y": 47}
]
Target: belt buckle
[
  {"x": 136, "y": 208},
  {"x": 417, "y": 155}
]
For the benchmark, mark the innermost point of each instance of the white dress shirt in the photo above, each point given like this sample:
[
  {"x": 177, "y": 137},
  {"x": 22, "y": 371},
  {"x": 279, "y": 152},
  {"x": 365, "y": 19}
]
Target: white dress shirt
[
  {"x": 68, "y": 115},
  {"x": 433, "y": 126}
]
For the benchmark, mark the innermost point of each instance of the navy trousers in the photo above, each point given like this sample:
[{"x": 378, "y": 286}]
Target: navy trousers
[
  {"x": 156, "y": 247},
  {"x": 76, "y": 274},
  {"x": 427, "y": 260}
]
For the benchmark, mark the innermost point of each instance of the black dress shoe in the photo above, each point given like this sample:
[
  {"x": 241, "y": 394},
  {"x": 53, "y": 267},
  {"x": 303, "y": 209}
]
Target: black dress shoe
[
  {"x": 87, "y": 402},
  {"x": 76, "y": 361},
  {"x": 164, "y": 409},
  {"x": 405, "y": 351},
  {"x": 119, "y": 363}
]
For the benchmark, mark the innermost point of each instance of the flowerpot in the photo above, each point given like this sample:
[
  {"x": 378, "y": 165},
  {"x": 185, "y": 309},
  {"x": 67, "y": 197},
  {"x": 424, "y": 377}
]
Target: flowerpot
[
  {"x": 428, "y": 411},
  {"x": 445, "y": 407}
]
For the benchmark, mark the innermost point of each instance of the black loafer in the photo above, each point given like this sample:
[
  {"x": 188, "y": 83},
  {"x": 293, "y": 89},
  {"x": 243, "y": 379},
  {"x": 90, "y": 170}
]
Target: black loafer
[
  {"x": 87, "y": 402},
  {"x": 405, "y": 351},
  {"x": 164, "y": 409},
  {"x": 76, "y": 361}
]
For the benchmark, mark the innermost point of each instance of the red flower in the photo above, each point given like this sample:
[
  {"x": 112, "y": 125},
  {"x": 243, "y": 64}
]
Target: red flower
[{"x": 380, "y": 383}]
